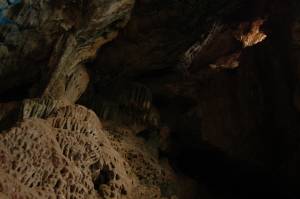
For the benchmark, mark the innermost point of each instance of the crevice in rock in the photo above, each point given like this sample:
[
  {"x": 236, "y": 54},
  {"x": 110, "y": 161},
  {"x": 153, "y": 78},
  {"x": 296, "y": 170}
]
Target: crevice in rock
[{"x": 104, "y": 177}]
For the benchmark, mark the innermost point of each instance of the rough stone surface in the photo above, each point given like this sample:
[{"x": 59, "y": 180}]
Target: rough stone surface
[
  {"x": 53, "y": 39},
  {"x": 68, "y": 155}
]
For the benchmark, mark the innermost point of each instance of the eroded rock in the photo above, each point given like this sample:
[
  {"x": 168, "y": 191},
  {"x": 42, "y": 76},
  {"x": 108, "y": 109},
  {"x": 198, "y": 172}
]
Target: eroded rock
[{"x": 56, "y": 38}]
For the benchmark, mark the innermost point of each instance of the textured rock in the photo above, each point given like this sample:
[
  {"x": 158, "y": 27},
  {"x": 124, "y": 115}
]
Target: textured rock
[
  {"x": 252, "y": 37},
  {"x": 48, "y": 36},
  {"x": 64, "y": 156},
  {"x": 208, "y": 89},
  {"x": 67, "y": 155},
  {"x": 227, "y": 62},
  {"x": 61, "y": 151}
]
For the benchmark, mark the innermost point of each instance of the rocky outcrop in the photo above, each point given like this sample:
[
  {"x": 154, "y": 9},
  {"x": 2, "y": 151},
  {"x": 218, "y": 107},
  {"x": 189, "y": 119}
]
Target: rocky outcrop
[
  {"x": 67, "y": 154},
  {"x": 62, "y": 157},
  {"x": 50, "y": 40}
]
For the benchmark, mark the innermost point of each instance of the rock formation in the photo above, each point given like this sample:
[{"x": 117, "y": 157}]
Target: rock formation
[{"x": 144, "y": 99}]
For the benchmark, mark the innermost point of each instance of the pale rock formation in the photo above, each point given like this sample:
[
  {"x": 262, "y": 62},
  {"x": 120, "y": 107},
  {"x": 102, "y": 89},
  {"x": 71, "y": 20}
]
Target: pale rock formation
[
  {"x": 252, "y": 37},
  {"x": 63, "y": 156},
  {"x": 61, "y": 151}
]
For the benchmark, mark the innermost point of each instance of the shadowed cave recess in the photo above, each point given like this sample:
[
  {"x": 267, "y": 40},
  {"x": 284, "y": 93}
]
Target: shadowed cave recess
[{"x": 145, "y": 99}]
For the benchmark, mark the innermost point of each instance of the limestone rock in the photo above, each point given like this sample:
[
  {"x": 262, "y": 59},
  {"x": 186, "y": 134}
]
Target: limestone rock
[
  {"x": 56, "y": 38},
  {"x": 63, "y": 152},
  {"x": 63, "y": 156},
  {"x": 186, "y": 99},
  {"x": 227, "y": 62},
  {"x": 252, "y": 37}
]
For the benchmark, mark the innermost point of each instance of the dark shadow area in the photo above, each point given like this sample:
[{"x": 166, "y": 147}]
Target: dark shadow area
[
  {"x": 104, "y": 177},
  {"x": 226, "y": 177},
  {"x": 17, "y": 93},
  {"x": 9, "y": 120}
]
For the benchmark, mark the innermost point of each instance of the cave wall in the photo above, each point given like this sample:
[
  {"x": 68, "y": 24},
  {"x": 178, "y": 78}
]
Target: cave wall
[{"x": 184, "y": 93}]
